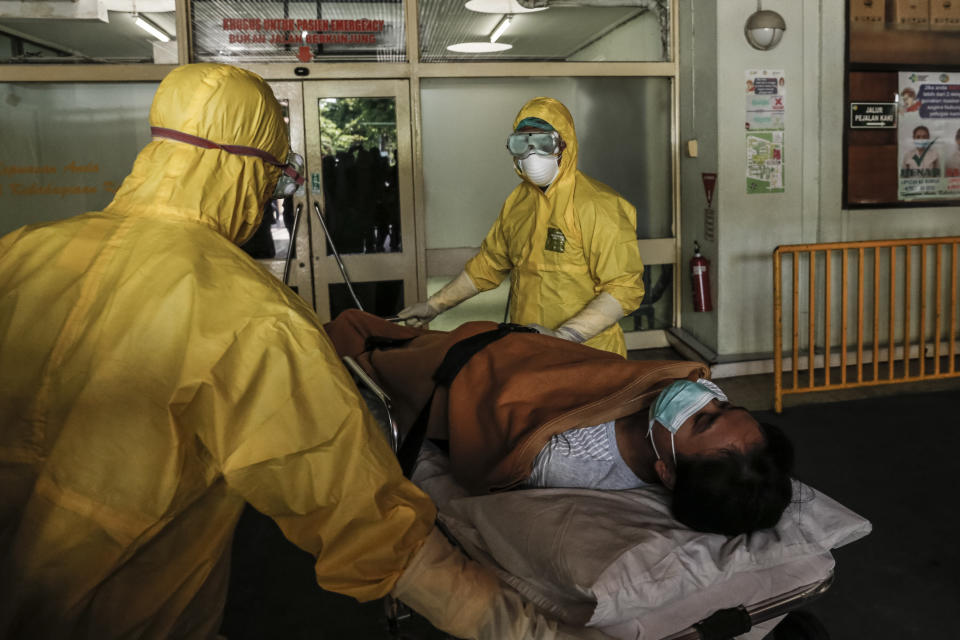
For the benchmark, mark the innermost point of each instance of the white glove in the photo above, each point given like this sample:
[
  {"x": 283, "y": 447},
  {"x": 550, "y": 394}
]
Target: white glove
[
  {"x": 562, "y": 332},
  {"x": 601, "y": 312},
  {"x": 452, "y": 294},
  {"x": 465, "y": 599},
  {"x": 418, "y": 314}
]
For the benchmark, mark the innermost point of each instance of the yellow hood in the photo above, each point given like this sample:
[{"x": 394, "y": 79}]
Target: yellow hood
[
  {"x": 553, "y": 111},
  {"x": 223, "y": 191}
]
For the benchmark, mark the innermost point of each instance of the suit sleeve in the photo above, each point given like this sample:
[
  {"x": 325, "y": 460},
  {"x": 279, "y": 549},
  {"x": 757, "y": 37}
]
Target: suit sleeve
[
  {"x": 283, "y": 421},
  {"x": 612, "y": 253},
  {"x": 492, "y": 264}
]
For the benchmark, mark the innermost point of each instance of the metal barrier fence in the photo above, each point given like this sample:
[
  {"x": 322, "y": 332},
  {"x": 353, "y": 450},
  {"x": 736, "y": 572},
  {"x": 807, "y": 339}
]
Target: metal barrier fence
[{"x": 889, "y": 317}]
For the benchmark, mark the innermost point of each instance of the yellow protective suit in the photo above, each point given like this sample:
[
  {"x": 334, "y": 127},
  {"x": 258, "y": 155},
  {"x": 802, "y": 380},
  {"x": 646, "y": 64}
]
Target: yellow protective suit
[
  {"x": 563, "y": 246},
  {"x": 153, "y": 378}
]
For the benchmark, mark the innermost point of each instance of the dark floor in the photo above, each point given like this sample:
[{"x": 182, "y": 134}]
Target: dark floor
[{"x": 892, "y": 458}]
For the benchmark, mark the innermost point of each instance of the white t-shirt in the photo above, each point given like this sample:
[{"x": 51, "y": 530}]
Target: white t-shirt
[{"x": 585, "y": 458}]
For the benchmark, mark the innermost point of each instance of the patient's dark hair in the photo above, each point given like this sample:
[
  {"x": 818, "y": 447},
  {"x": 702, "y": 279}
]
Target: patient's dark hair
[{"x": 735, "y": 492}]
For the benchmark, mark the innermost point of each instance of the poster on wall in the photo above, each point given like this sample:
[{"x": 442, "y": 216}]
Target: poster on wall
[
  {"x": 765, "y": 116},
  {"x": 928, "y": 137}
]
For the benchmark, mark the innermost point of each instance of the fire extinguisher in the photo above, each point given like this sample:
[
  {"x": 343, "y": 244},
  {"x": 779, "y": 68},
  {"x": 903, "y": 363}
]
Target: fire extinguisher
[{"x": 700, "y": 279}]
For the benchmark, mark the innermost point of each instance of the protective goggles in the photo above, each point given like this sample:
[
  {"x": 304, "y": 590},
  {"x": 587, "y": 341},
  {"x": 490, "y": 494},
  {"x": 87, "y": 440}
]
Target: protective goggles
[
  {"x": 291, "y": 176},
  {"x": 542, "y": 143},
  {"x": 291, "y": 171}
]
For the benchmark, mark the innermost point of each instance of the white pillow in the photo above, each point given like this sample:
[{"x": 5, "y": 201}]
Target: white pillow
[{"x": 618, "y": 559}]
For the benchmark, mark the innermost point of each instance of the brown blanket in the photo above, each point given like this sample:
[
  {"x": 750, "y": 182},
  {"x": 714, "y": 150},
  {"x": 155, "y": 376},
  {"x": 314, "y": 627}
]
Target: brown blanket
[{"x": 510, "y": 398}]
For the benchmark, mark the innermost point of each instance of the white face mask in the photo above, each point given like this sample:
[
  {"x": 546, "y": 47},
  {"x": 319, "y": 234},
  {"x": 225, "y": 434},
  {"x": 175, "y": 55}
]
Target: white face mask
[
  {"x": 540, "y": 169},
  {"x": 676, "y": 403}
]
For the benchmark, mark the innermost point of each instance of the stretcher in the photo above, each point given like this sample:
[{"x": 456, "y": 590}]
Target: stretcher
[{"x": 619, "y": 562}]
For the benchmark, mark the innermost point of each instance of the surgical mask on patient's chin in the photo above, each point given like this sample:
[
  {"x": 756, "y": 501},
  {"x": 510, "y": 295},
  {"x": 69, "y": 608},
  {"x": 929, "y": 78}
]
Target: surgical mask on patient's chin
[
  {"x": 676, "y": 403},
  {"x": 540, "y": 169}
]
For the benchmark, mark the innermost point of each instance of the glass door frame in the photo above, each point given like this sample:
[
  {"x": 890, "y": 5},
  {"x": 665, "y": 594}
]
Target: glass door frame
[
  {"x": 361, "y": 267},
  {"x": 300, "y": 277}
]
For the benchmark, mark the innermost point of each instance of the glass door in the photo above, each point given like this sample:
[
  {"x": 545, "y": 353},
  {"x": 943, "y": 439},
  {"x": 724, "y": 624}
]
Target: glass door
[
  {"x": 282, "y": 241},
  {"x": 359, "y": 159}
]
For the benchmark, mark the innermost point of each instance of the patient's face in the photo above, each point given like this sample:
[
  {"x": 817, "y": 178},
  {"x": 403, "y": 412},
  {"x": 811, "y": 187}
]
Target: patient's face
[{"x": 719, "y": 425}]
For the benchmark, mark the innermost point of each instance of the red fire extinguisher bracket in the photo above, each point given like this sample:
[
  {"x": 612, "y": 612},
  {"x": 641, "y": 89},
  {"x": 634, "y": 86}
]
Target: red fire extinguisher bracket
[{"x": 700, "y": 280}]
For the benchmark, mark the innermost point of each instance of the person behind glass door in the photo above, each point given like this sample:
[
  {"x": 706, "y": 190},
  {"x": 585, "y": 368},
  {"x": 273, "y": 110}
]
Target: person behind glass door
[{"x": 567, "y": 241}]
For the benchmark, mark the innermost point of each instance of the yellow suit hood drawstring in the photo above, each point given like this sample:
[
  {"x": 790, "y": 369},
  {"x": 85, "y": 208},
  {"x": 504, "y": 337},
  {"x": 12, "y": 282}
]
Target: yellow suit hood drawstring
[{"x": 223, "y": 191}]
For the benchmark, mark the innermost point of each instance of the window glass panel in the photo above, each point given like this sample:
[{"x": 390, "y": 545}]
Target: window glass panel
[
  {"x": 288, "y": 31},
  {"x": 6, "y": 47},
  {"x": 270, "y": 243},
  {"x": 67, "y": 147},
  {"x": 361, "y": 195},
  {"x": 623, "y": 133},
  {"x": 89, "y": 31},
  {"x": 483, "y": 30},
  {"x": 656, "y": 310}
]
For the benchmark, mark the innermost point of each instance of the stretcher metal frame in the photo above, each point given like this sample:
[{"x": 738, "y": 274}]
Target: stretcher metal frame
[{"x": 721, "y": 625}]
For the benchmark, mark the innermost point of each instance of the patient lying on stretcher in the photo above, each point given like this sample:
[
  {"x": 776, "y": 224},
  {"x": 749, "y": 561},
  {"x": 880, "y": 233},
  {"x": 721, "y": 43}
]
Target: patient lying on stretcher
[
  {"x": 527, "y": 410},
  {"x": 728, "y": 473}
]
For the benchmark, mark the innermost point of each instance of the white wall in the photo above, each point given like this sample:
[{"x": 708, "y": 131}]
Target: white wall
[
  {"x": 698, "y": 121},
  {"x": 751, "y": 226},
  {"x": 810, "y": 210}
]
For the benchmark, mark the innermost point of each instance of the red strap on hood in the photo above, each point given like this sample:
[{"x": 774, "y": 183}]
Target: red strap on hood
[{"x": 240, "y": 150}]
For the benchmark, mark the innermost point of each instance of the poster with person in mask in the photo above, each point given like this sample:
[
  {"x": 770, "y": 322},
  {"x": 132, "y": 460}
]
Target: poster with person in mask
[{"x": 928, "y": 133}]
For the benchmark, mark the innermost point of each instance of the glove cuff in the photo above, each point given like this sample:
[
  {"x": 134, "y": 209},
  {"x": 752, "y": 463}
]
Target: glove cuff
[
  {"x": 453, "y": 293},
  {"x": 600, "y": 313}
]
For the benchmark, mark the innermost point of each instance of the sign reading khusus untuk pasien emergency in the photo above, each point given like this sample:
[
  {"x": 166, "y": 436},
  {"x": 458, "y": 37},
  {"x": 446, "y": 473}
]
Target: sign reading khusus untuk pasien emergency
[
  {"x": 238, "y": 29},
  {"x": 289, "y": 31}
]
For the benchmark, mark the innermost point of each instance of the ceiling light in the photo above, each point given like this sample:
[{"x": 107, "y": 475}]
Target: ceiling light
[
  {"x": 151, "y": 28},
  {"x": 499, "y": 6},
  {"x": 479, "y": 47},
  {"x": 500, "y": 28}
]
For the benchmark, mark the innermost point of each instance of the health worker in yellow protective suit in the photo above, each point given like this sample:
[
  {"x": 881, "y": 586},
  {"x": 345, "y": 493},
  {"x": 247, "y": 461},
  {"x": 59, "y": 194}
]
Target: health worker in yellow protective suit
[
  {"x": 153, "y": 379},
  {"x": 568, "y": 242}
]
